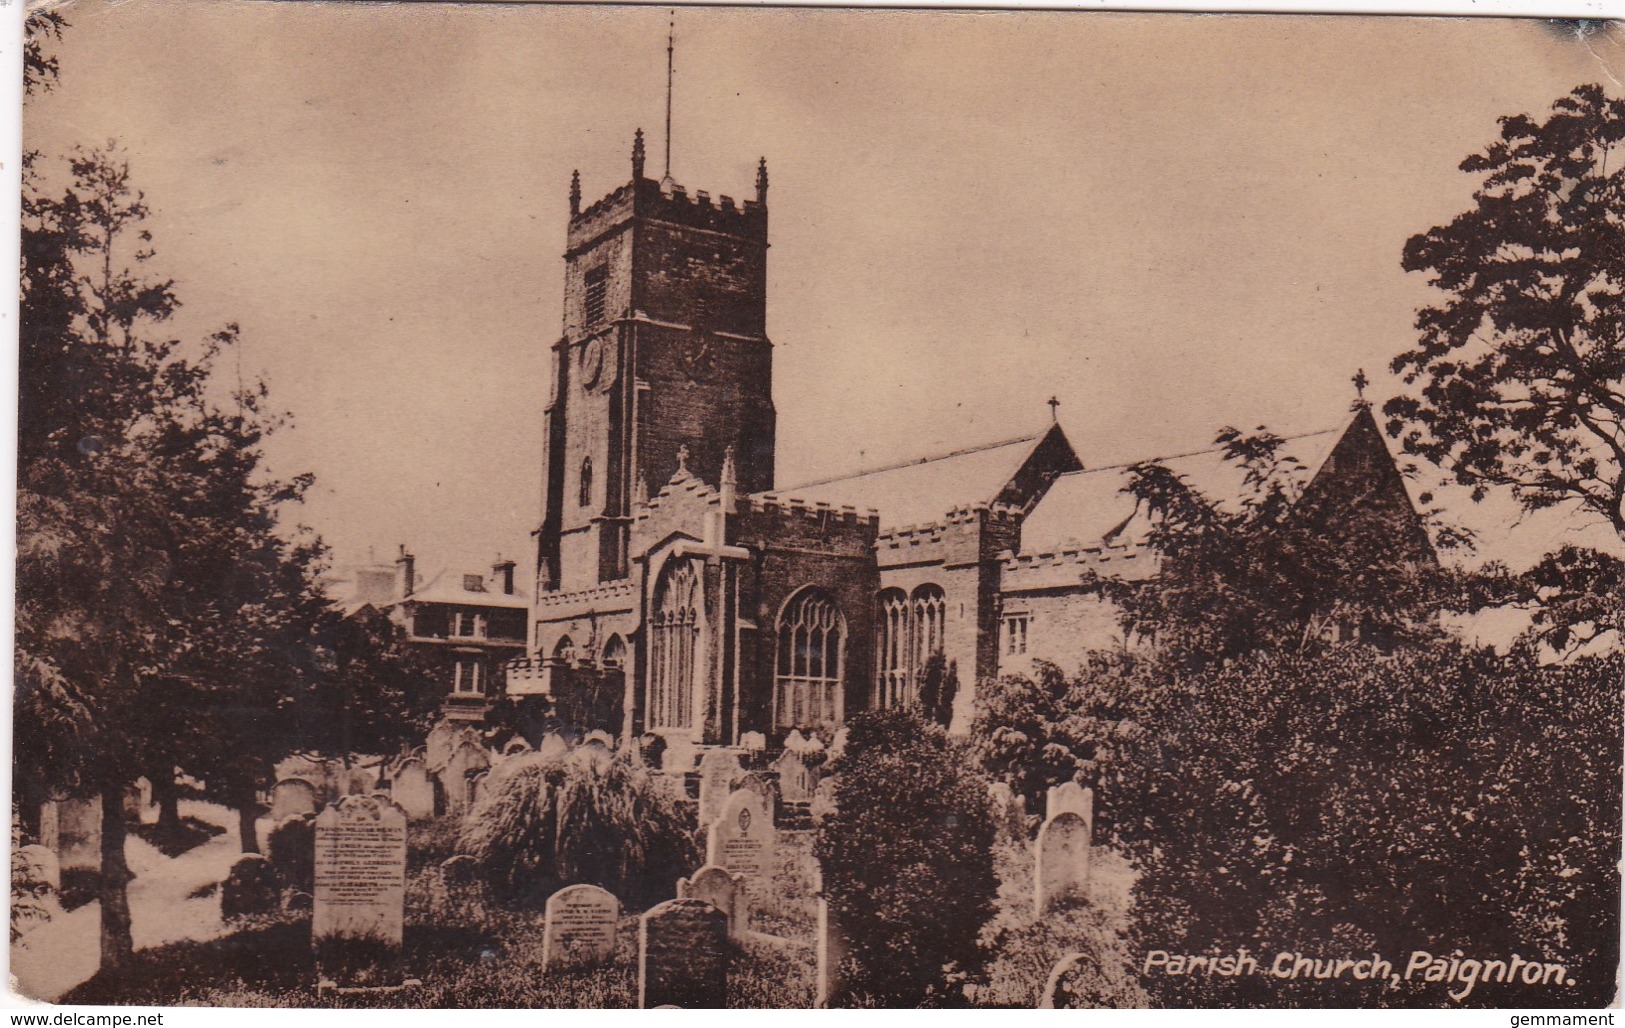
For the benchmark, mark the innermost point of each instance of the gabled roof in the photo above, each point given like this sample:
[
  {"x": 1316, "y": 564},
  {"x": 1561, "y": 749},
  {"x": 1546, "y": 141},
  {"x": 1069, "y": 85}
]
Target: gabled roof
[
  {"x": 924, "y": 490},
  {"x": 447, "y": 587},
  {"x": 1091, "y": 508}
]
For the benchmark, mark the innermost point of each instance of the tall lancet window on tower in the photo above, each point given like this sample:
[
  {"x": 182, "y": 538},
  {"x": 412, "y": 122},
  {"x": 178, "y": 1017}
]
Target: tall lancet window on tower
[
  {"x": 585, "y": 497},
  {"x": 597, "y": 300},
  {"x": 674, "y": 643},
  {"x": 812, "y": 654}
]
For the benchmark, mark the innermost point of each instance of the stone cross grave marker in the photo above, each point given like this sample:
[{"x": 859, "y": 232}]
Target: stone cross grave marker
[
  {"x": 719, "y": 769},
  {"x": 413, "y": 790},
  {"x": 765, "y": 791},
  {"x": 683, "y": 956},
  {"x": 1070, "y": 796},
  {"x": 580, "y": 927},
  {"x": 797, "y": 781},
  {"x": 723, "y": 890},
  {"x": 292, "y": 797},
  {"x": 360, "y": 893},
  {"x": 742, "y": 839},
  {"x": 1061, "y": 870}
]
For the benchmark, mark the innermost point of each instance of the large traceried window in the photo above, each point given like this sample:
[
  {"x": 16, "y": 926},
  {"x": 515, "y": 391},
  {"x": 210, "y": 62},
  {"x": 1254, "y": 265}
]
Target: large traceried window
[
  {"x": 911, "y": 629},
  {"x": 811, "y": 659},
  {"x": 674, "y": 633}
]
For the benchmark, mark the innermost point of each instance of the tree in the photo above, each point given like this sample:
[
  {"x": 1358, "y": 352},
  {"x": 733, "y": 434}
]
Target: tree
[
  {"x": 907, "y": 860},
  {"x": 1293, "y": 562},
  {"x": 1520, "y": 369}
]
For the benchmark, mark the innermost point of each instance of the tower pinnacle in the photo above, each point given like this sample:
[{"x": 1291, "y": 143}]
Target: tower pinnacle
[
  {"x": 761, "y": 181},
  {"x": 637, "y": 156},
  {"x": 575, "y": 193}
]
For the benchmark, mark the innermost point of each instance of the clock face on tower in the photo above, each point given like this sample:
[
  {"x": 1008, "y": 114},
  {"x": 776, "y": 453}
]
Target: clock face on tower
[{"x": 592, "y": 362}]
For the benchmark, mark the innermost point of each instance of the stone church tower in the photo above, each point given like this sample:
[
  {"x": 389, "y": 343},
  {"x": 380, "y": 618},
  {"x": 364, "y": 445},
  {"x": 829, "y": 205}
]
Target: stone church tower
[{"x": 664, "y": 361}]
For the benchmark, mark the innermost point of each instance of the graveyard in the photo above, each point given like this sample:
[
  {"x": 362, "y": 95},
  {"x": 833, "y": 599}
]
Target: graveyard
[{"x": 374, "y": 888}]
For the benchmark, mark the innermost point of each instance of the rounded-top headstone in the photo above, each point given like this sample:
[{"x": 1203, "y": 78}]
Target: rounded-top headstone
[
  {"x": 580, "y": 928},
  {"x": 461, "y": 869},
  {"x": 742, "y": 839},
  {"x": 683, "y": 956},
  {"x": 1073, "y": 983}
]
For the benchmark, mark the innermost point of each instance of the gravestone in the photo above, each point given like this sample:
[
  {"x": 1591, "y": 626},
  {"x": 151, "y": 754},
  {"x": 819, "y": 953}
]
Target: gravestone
[
  {"x": 251, "y": 888},
  {"x": 823, "y": 801},
  {"x": 292, "y": 797},
  {"x": 291, "y": 847},
  {"x": 742, "y": 839},
  {"x": 754, "y": 742},
  {"x": 601, "y": 736},
  {"x": 1061, "y": 870},
  {"x": 652, "y": 750},
  {"x": 467, "y": 758},
  {"x": 795, "y": 742},
  {"x": 438, "y": 747},
  {"x": 723, "y": 890},
  {"x": 1070, "y": 797},
  {"x": 554, "y": 747},
  {"x": 683, "y": 956},
  {"x": 476, "y": 787},
  {"x": 718, "y": 770},
  {"x": 1074, "y": 983},
  {"x": 764, "y": 790},
  {"x": 678, "y": 756},
  {"x": 595, "y": 753},
  {"x": 580, "y": 927},
  {"x": 413, "y": 790},
  {"x": 360, "y": 781},
  {"x": 831, "y": 949},
  {"x": 360, "y": 894},
  {"x": 42, "y": 866},
  {"x": 837, "y": 745},
  {"x": 515, "y": 746},
  {"x": 72, "y": 829},
  {"x": 797, "y": 781}
]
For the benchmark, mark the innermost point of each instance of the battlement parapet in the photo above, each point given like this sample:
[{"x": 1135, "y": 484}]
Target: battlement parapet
[
  {"x": 609, "y": 591},
  {"x": 788, "y": 506}
]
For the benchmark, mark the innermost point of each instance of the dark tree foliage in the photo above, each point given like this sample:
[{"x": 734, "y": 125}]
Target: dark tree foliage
[
  {"x": 939, "y": 684},
  {"x": 1352, "y": 801},
  {"x": 907, "y": 861},
  {"x": 1520, "y": 369},
  {"x": 1287, "y": 565}
]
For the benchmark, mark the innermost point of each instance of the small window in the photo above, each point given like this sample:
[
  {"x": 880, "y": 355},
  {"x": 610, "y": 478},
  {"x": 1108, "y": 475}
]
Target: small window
[
  {"x": 473, "y": 583},
  {"x": 585, "y": 499},
  {"x": 468, "y": 677},
  {"x": 597, "y": 294},
  {"x": 468, "y": 625},
  {"x": 1015, "y": 633}
]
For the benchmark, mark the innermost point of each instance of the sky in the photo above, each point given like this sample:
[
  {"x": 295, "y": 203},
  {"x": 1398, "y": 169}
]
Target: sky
[{"x": 1171, "y": 223}]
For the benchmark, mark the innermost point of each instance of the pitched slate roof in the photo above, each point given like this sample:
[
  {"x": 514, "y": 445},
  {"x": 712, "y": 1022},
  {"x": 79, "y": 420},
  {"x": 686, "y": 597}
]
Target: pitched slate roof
[
  {"x": 1091, "y": 508},
  {"x": 922, "y": 491},
  {"x": 447, "y": 587}
]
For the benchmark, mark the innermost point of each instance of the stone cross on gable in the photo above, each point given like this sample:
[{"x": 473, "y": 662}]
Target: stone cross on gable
[
  {"x": 1054, "y": 410},
  {"x": 682, "y": 459}
]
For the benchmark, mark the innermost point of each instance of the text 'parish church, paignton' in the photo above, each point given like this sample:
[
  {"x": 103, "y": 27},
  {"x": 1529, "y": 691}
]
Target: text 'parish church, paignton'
[{"x": 680, "y": 593}]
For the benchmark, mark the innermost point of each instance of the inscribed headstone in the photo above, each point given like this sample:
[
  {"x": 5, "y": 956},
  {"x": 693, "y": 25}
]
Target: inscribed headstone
[
  {"x": 683, "y": 956},
  {"x": 718, "y": 770},
  {"x": 1061, "y": 870},
  {"x": 764, "y": 790},
  {"x": 467, "y": 758},
  {"x": 742, "y": 839},
  {"x": 72, "y": 829},
  {"x": 360, "y": 892},
  {"x": 831, "y": 949},
  {"x": 292, "y": 797},
  {"x": 580, "y": 927},
  {"x": 723, "y": 890}
]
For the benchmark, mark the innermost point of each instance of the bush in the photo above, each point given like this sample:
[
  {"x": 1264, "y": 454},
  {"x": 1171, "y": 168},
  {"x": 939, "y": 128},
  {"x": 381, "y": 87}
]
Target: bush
[
  {"x": 907, "y": 861},
  {"x": 550, "y": 822}
]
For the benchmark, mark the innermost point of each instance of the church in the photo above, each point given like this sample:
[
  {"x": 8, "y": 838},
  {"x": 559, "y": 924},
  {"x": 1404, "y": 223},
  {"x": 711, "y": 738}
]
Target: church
[{"x": 677, "y": 577}]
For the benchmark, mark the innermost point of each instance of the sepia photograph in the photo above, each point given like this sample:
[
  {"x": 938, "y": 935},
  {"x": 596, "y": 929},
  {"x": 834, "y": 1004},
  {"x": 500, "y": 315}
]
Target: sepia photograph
[{"x": 543, "y": 505}]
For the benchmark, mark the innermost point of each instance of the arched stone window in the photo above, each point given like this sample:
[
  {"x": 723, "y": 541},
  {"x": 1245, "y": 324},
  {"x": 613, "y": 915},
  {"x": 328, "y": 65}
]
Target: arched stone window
[
  {"x": 892, "y": 650},
  {"x": 614, "y": 653},
  {"x": 674, "y": 637},
  {"x": 911, "y": 628},
  {"x": 811, "y": 661},
  {"x": 585, "y": 499},
  {"x": 564, "y": 649}
]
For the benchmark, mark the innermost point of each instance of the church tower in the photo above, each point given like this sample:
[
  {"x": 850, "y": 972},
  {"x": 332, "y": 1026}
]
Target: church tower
[{"x": 664, "y": 358}]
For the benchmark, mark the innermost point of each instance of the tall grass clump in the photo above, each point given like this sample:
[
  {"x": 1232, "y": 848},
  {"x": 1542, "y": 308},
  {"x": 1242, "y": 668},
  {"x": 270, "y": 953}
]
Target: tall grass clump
[{"x": 548, "y": 822}]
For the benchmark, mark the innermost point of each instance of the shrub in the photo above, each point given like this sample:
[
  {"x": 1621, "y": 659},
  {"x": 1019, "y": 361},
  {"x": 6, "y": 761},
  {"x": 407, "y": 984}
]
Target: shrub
[
  {"x": 549, "y": 822},
  {"x": 907, "y": 861}
]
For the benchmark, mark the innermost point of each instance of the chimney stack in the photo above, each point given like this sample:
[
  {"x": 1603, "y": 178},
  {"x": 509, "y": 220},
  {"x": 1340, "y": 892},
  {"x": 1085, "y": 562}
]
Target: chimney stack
[
  {"x": 405, "y": 573},
  {"x": 503, "y": 570}
]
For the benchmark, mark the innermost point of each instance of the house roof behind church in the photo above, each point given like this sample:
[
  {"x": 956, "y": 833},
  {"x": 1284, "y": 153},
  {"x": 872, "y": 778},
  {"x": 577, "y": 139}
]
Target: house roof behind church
[
  {"x": 924, "y": 490},
  {"x": 448, "y": 587},
  {"x": 1091, "y": 508}
]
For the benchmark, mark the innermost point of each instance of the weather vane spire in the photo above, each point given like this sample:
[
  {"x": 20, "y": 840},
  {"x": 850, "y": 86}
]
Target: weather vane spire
[{"x": 671, "y": 46}]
